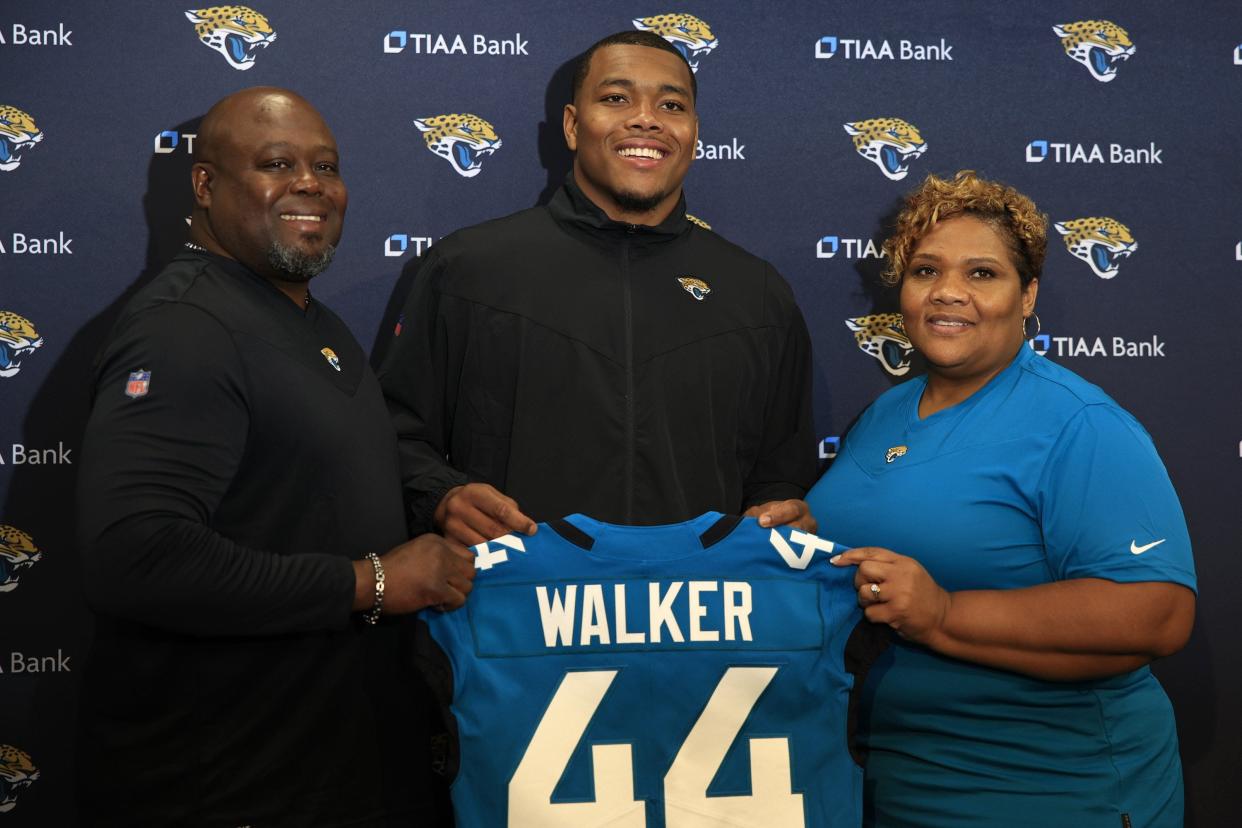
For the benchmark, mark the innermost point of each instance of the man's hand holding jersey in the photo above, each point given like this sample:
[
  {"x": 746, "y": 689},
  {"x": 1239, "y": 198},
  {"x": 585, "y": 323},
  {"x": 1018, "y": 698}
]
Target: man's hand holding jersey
[
  {"x": 429, "y": 571},
  {"x": 793, "y": 513},
  {"x": 478, "y": 512}
]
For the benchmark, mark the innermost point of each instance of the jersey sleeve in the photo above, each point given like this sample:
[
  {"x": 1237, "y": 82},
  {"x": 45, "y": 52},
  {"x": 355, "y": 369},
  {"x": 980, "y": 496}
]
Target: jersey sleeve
[
  {"x": 1107, "y": 506},
  {"x": 785, "y": 467},
  {"x": 156, "y": 463},
  {"x": 420, "y": 375}
]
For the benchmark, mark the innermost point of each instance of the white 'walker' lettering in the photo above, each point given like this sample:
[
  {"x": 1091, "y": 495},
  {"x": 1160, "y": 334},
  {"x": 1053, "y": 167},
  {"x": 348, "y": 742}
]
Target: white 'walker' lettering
[
  {"x": 582, "y": 608},
  {"x": 559, "y": 609}
]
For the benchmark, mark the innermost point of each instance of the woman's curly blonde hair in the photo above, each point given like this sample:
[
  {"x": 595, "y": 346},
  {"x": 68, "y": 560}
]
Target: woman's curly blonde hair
[{"x": 1014, "y": 216}]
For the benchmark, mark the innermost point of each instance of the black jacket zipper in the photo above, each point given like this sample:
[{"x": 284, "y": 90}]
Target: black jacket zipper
[{"x": 630, "y": 426}]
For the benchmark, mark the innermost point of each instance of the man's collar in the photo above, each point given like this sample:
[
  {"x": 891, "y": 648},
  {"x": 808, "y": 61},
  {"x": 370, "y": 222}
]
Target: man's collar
[
  {"x": 236, "y": 268},
  {"x": 572, "y": 205}
]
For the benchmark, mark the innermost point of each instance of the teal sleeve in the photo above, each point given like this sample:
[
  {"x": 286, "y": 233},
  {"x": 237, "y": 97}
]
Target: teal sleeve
[{"x": 1107, "y": 506}]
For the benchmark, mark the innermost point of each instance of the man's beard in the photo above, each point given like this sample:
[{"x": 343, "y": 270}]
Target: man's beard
[
  {"x": 635, "y": 203},
  {"x": 295, "y": 266}
]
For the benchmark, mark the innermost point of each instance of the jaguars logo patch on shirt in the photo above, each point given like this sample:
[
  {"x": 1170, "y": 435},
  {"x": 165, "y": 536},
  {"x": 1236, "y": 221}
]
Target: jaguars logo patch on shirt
[{"x": 695, "y": 287}]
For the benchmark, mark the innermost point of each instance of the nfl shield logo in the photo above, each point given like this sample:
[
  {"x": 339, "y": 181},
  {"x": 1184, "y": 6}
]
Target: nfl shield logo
[{"x": 138, "y": 385}]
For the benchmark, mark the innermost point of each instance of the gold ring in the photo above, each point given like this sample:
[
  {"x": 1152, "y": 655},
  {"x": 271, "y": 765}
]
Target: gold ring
[{"x": 875, "y": 592}]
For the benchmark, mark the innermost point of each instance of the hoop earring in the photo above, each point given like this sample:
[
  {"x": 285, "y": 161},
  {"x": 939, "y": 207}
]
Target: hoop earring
[{"x": 1025, "y": 335}]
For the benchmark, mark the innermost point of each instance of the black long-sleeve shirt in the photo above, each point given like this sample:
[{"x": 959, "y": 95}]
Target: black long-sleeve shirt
[
  {"x": 220, "y": 506},
  {"x": 569, "y": 361}
]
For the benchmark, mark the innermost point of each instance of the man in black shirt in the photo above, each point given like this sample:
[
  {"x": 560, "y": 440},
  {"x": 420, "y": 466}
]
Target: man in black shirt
[
  {"x": 241, "y": 521},
  {"x": 604, "y": 354}
]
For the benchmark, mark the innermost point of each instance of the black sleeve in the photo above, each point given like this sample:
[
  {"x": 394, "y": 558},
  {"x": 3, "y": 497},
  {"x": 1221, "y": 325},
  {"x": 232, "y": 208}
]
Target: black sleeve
[
  {"x": 156, "y": 466},
  {"x": 420, "y": 376},
  {"x": 785, "y": 467}
]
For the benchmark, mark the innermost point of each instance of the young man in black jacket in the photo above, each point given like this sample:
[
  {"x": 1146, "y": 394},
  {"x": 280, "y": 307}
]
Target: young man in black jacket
[{"x": 603, "y": 354}]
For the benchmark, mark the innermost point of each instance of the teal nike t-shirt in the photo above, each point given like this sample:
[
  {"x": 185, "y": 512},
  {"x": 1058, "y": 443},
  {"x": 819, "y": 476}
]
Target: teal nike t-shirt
[{"x": 1037, "y": 477}]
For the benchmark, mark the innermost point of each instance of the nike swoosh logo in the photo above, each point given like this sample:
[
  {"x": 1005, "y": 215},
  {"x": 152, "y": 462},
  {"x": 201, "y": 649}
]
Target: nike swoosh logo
[{"x": 1135, "y": 549}]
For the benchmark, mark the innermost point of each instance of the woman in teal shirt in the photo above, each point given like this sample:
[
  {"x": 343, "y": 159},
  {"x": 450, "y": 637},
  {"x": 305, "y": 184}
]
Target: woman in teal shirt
[{"x": 1022, "y": 537}]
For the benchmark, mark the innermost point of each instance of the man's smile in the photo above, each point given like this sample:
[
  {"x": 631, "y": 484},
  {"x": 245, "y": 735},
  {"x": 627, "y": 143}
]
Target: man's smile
[{"x": 642, "y": 152}]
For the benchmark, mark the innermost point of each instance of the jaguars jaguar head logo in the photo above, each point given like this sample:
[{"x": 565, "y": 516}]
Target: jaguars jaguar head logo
[
  {"x": 1100, "y": 242},
  {"x": 17, "y": 772},
  {"x": 695, "y": 287},
  {"x": 236, "y": 32},
  {"x": 463, "y": 140},
  {"x": 688, "y": 34},
  {"x": 890, "y": 143},
  {"x": 17, "y": 552},
  {"x": 18, "y": 133},
  {"x": 1099, "y": 45},
  {"x": 18, "y": 337},
  {"x": 883, "y": 336}
]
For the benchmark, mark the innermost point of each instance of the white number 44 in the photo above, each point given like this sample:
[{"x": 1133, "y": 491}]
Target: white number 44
[{"x": 771, "y": 803}]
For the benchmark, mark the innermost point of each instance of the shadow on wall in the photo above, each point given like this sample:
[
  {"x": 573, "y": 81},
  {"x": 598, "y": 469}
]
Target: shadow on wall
[
  {"x": 41, "y": 498},
  {"x": 61, "y": 405},
  {"x": 556, "y": 160},
  {"x": 892, "y": 358},
  {"x": 554, "y": 156}
]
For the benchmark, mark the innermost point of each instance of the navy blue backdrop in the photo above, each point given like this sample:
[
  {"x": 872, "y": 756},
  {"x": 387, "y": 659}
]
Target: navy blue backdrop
[{"x": 1121, "y": 119}]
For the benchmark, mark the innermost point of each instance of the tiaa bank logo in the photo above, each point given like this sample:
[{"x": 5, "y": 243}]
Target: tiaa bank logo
[
  {"x": 1097, "y": 44},
  {"x": 398, "y": 243},
  {"x": 889, "y": 143},
  {"x": 18, "y": 338},
  {"x": 236, "y": 32},
  {"x": 17, "y": 772},
  {"x": 829, "y": 447},
  {"x": 829, "y": 246},
  {"x": 18, "y": 133},
  {"x": 690, "y": 35},
  {"x": 462, "y": 140},
  {"x": 169, "y": 140},
  {"x": 1100, "y": 242},
  {"x": 17, "y": 552},
  {"x": 883, "y": 336}
]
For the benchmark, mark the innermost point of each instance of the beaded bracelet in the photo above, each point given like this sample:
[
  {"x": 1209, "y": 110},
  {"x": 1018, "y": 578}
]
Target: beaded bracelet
[{"x": 377, "y": 608}]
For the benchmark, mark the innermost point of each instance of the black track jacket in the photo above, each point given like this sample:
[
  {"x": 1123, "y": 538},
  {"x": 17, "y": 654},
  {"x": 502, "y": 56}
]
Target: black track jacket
[{"x": 566, "y": 359}]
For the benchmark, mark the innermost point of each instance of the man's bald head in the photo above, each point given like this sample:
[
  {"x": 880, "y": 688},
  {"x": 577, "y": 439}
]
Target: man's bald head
[
  {"x": 256, "y": 104},
  {"x": 267, "y": 185}
]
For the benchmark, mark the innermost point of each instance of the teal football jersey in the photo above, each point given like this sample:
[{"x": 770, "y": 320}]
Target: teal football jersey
[{"x": 688, "y": 675}]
